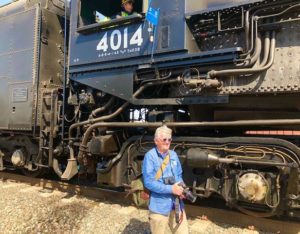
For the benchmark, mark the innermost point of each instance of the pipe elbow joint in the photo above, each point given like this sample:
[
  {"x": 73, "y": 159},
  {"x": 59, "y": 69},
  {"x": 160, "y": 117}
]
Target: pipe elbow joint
[
  {"x": 212, "y": 74},
  {"x": 256, "y": 18}
]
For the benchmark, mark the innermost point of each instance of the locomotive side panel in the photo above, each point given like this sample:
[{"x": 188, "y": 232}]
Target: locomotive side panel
[
  {"x": 32, "y": 72},
  {"x": 18, "y": 59}
]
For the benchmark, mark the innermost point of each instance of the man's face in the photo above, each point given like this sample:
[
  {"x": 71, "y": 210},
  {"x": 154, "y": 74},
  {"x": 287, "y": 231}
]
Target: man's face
[
  {"x": 163, "y": 142},
  {"x": 128, "y": 6}
]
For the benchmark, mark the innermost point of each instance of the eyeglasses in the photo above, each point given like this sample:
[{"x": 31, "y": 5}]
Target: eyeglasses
[{"x": 166, "y": 139}]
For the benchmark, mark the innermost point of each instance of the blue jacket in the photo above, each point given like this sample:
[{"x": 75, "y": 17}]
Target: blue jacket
[{"x": 161, "y": 197}]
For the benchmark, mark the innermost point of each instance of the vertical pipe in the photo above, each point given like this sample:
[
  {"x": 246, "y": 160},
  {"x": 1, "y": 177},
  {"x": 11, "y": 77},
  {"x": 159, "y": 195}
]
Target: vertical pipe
[{"x": 247, "y": 25}]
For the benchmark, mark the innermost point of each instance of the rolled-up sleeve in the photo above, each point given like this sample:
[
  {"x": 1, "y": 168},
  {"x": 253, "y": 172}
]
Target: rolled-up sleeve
[{"x": 149, "y": 173}]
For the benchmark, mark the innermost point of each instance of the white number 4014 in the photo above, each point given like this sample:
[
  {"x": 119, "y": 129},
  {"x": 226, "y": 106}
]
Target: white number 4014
[{"x": 115, "y": 40}]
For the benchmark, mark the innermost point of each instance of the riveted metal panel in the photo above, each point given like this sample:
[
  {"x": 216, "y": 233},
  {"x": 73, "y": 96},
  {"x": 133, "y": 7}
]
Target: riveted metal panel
[
  {"x": 284, "y": 74},
  {"x": 18, "y": 67}
]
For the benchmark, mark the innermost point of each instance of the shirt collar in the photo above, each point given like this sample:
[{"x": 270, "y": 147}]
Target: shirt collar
[{"x": 163, "y": 155}]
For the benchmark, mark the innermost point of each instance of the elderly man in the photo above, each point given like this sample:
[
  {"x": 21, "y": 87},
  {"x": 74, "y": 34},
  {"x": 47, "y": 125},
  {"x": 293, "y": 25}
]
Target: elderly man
[{"x": 162, "y": 174}]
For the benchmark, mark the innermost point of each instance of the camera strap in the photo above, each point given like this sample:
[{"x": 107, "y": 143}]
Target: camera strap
[
  {"x": 178, "y": 211},
  {"x": 162, "y": 167}
]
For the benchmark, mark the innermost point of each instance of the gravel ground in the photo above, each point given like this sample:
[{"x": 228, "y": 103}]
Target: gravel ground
[{"x": 27, "y": 209}]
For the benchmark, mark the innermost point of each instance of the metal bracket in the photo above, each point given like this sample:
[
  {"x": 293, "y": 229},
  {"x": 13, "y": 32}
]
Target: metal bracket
[
  {"x": 220, "y": 29},
  {"x": 2, "y": 168},
  {"x": 72, "y": 168}
]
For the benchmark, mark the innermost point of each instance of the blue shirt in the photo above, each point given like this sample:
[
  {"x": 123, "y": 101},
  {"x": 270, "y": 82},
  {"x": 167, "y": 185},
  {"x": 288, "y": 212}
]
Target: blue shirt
[{"x": 161, "y": 197}]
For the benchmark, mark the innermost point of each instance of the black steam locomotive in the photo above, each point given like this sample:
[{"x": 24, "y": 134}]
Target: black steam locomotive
[{"x": 82, "y": 92}]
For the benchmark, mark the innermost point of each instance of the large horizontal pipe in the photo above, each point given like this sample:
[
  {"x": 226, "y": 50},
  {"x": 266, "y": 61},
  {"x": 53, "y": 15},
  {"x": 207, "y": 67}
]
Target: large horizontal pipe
[
  {"x": 265, "y": 163},
  {"x": 199, "y": 158},
  {"x": 239, "y": 123}
]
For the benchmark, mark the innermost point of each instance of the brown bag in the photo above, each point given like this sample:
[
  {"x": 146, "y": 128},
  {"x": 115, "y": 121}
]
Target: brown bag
[{"x": 140, "y": 194}]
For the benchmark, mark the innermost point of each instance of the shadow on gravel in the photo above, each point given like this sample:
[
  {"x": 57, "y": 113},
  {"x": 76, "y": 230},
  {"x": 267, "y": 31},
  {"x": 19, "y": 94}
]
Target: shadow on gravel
[
  {"x": 137, "y": 227},
  {"x": 62, "y": 219}
]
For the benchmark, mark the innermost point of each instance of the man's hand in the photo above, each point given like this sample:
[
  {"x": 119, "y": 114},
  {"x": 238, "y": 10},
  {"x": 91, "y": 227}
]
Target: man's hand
[{"x": 177, "y": 189}]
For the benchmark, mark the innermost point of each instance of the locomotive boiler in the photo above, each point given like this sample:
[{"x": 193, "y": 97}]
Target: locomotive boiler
[{"x": 82, "y": 96}]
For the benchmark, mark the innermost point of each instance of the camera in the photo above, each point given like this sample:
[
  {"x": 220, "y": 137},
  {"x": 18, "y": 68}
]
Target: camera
[
  {"x": 169, "y": 180},
  {"x": 186, "y": 192}
]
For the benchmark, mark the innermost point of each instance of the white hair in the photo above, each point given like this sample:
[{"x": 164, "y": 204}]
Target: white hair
[{"x": 163, "y": 129}]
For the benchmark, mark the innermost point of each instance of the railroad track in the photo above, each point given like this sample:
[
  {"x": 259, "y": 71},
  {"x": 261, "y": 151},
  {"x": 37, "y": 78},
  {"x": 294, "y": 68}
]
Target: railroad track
[{"x": 213, "y": 214}]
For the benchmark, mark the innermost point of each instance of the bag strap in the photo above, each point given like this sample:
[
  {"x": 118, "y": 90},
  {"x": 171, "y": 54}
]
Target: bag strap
[{"x": 162, "y": 167}]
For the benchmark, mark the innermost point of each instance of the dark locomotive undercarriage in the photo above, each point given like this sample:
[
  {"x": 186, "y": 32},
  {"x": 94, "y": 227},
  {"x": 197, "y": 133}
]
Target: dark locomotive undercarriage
[{"x": 102, "y": 139}]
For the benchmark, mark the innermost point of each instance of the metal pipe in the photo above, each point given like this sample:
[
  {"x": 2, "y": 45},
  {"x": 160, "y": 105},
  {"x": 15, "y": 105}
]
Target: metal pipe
[
  {"x": 103, "y": 108},
  {"x": 257, "y": 51},
  {"x": 212, "y": 160},
  {"x": 252, "y": 35},
  {"x": 256, "y": 18},
  {"x": 276, "y": 164},
  {"x": 110, "y": 164},
  {"x": 265, "y": 53},
  {"x": 247, "y": 29},
  {"x": 213, "y": 74},
  {"x": 266, "y": 49},
  {"x": 241, "y": 123},
  {"x": 280, "y": 13},
  {"x": 157, "y": 79},
  {"x": 92, "y": 121}
]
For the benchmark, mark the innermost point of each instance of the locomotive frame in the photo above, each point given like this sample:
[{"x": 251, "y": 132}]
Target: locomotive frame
[{"x": 223, "y": 75}]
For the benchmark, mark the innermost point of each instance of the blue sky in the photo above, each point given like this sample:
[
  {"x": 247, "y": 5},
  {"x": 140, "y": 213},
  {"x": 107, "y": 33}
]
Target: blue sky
[{"x": 2, "y": 2}]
